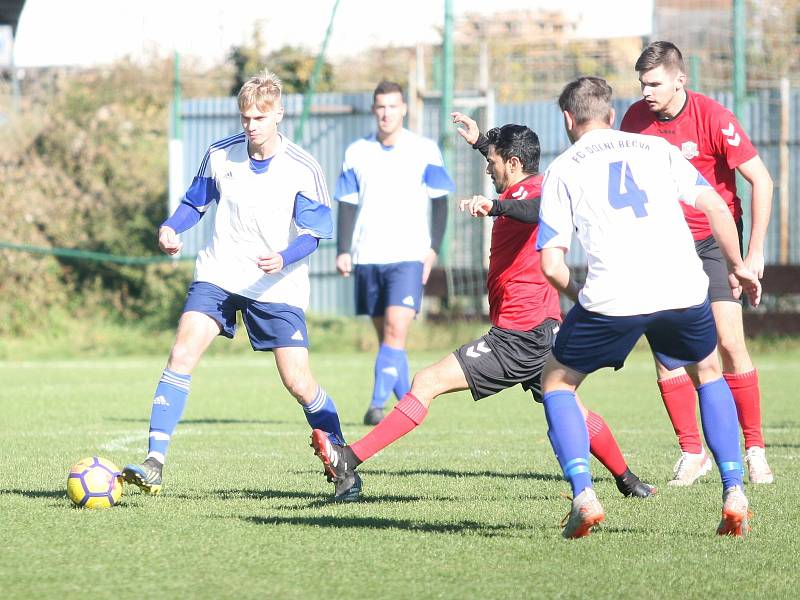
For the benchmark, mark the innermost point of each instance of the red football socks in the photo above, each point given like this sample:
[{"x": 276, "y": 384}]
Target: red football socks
[
  {"x": 680, "y": 400},
  {"x": 406, "y": 415},
  {"x": 603, "y": 445},
  {"x": 746, "y": 395}
]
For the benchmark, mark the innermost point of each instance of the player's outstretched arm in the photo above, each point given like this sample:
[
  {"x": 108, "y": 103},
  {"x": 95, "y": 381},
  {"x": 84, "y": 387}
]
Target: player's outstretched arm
[
  {"x": 477, "y": 206},
  {"x": 755, "y": 172},
  {"x": 525, "y": 210},
  {"x": 724, "y": 230}
]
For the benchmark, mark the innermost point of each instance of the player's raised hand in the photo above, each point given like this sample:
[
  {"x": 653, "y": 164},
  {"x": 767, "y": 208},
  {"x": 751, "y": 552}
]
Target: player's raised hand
[
  {"x": 744, "y": 280},
  {"x": 270, "y": 263},
  {"x": 470, "y": 131},
  {"x": 344, "y": 264},
  {"x": 477, "y": 206},
  {"x": 168, "y": 240}
]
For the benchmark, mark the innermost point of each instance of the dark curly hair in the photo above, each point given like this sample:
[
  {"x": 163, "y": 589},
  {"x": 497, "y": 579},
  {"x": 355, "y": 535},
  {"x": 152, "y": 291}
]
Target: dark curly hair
[{"x": 516, "y": 140}]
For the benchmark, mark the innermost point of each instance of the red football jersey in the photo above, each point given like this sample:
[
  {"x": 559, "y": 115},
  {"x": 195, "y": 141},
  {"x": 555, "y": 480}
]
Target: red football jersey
[
  {"x": 520, "y": 297},
  {"x": 710, "y": 137}
]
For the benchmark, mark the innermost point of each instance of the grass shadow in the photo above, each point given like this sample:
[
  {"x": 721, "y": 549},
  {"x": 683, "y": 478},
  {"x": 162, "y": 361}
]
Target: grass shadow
[
  {"x": 250, "y": 494},
  {"x": 463, "y": 474},
  {"x": 35, "y": 493},
  {"x": 207, "y": 421},
  {"x": 783, "y": 425},
  {"x": 373, "y": 499},
  {"x": 315, "y": 499},
  {"x": 350, "y": 522}
]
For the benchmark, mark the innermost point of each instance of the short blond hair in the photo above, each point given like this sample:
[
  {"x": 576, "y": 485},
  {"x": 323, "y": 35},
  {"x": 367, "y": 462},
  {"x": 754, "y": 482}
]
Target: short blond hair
[{"x": 262, "y": 90}]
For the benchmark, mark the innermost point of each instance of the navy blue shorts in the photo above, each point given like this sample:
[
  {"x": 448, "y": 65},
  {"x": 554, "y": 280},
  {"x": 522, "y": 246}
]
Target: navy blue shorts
[
  {"x": 392, "y": 284},
  {"x": 269, "y": 324},
  {"x": 588, "y": 341}
]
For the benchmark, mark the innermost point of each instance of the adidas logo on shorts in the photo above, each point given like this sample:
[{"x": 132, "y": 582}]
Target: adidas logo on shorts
[
  {"x": 298, "y": 336},
  {"x": 408, "y": 300}
]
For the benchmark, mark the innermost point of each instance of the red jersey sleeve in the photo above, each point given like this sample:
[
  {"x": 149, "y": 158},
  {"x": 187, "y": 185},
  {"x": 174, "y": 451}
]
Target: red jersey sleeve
[{"x": 727, "y": 136}]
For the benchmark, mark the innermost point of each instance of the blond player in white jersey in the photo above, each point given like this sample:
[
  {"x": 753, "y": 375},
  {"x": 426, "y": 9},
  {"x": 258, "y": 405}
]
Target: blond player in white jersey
[
  {"x": 272, "y": 209},
  {"x": 620, "y": 193}
]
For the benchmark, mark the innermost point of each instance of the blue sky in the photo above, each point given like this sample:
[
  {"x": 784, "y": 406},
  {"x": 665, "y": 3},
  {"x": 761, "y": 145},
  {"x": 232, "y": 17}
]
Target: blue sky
[{"x": 88, "y": 32}]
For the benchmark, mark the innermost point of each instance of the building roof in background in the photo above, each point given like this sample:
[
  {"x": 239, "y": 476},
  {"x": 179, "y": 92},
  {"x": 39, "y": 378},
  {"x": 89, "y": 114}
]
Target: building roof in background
[{"x": 10, "y": 11}]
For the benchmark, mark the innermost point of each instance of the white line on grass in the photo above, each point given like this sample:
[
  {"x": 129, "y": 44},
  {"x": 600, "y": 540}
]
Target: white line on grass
[
  {"x": 210, "y": 363},
  {"x": 124, "y": 442},
  {"x": 132, "y": 441}
]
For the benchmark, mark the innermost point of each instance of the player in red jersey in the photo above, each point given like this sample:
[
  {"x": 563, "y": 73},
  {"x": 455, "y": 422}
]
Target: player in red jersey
[
  {"x": 710, "y": 137},
  {"x": 524, "y": 310}
]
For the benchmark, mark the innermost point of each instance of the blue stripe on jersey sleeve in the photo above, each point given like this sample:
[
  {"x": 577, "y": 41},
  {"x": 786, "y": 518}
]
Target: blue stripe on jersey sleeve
[
  {"x": 299, "y": 248},
  {"x": 202, "y": 193},
  {"x": 185, "y": 217},
  {"x": 346, "y": 186},
  {"x": 438, "y": 180},
  {"x": 546, "y": 233},
  {"x": 701, "y": 180},
  {"x": 313, "y": 217}
]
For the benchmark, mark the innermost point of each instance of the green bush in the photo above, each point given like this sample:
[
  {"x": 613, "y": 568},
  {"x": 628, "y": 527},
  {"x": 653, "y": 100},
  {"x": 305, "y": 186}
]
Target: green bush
[{"x": 91, "y": 176}]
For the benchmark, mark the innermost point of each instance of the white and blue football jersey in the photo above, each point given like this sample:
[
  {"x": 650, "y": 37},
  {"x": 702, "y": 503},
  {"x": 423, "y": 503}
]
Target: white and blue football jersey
[
  {"x": 392, "y": 186},
  {"x": 620, "y": 193},
  {"x": 261, "y": 207}
]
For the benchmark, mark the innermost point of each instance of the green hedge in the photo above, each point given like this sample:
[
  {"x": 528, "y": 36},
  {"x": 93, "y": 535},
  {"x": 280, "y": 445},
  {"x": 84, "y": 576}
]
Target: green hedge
[{"x": 87, "y": 170}]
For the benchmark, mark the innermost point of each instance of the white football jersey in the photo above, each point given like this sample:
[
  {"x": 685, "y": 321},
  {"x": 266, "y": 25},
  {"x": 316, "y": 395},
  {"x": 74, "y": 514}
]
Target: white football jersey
[
  {"x": 620, "y": 192},
  {"x": 259, "y": 212},
  {"x": 392, "y": 186}
]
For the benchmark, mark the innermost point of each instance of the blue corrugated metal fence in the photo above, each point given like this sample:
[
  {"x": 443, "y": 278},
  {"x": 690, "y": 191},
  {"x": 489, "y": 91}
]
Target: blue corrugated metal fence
[{"x": 338, "y": 119}]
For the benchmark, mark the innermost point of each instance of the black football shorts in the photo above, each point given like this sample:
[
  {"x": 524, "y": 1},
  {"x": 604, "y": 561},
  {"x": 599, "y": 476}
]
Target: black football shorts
[{"x": 503, "y": 358}]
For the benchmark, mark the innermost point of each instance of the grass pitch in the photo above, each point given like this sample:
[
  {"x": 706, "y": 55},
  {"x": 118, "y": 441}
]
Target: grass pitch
[{"x": 466, "y": 506}]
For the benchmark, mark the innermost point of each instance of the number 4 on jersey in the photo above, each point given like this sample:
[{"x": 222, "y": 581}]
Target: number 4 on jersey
[{"x": 624, "y": 192}]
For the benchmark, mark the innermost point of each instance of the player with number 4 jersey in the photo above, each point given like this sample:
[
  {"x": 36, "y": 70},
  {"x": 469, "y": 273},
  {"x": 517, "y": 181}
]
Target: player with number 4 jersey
[
  {"x": 641, "y": 209},
  {"x": 620, "y": 193}
]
